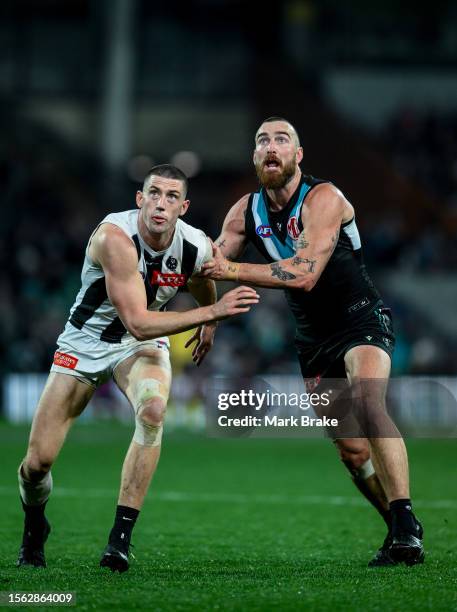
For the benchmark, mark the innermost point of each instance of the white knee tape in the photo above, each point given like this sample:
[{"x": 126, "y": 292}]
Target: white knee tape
[
  {"x": 34, "y": 493},
  {"x": 366, "y": 470},
  {"x": 146, "y": 389},
  {"x": 147, "y": 435}
]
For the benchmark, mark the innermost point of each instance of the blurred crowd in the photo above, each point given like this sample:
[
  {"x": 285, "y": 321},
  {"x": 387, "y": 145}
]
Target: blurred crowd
[
  {"x": 422, "y": 147},
  {"x": 53, "y": 197}
]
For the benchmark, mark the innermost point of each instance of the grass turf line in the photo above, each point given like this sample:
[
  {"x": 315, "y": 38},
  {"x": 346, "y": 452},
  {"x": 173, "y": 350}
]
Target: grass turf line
[{"x": 194, "y": 554}]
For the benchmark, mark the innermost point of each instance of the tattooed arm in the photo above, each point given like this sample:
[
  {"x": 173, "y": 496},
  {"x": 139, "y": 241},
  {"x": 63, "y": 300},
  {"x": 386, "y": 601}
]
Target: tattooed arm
[
  {"x": 232, "y": 240},
  {"x": 322, "y": 215}
]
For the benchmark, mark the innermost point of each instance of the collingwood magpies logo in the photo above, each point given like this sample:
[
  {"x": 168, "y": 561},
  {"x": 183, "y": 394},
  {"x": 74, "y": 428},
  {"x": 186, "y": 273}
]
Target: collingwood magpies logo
[{"x": 171, "y": 263}]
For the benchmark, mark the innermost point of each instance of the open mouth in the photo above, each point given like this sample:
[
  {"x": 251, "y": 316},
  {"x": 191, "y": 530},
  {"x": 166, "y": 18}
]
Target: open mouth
[{"x": 272, "y": 164}]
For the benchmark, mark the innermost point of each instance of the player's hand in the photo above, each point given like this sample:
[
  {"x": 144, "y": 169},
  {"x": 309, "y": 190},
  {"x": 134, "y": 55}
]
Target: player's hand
[
  {"x": 235, "y": 302},
  {"x": 204, "y": 337},
  {"x": 216, "y": 268}
]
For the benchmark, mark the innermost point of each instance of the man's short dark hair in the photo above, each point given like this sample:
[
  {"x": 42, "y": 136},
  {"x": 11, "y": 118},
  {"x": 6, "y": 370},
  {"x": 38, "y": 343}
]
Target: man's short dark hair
[
  {"x": 271, "y": 119},
  {"x": 168, "y": 171}
]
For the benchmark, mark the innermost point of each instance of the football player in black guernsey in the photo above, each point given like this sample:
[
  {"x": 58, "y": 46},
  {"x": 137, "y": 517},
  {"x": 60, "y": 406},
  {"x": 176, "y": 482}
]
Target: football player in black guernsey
[{"x": 306, "y": 229}]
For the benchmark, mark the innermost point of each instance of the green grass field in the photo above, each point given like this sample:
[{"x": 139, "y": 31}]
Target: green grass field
[{"x": 231, "y": 525}]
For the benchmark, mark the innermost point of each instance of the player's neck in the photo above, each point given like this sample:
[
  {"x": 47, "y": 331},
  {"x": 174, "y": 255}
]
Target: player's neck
[
  {"x": 279, "y": 198},
  {"x": 157, "y": 242}
]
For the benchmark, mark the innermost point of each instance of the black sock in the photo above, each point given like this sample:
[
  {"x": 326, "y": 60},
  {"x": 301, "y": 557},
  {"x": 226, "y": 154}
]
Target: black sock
[
  {"x": 124, "y": 523},
  {"x": 402, "y": 516},
  {"x": 34, "y": 515},
  {"x": 34, "y": 525}
]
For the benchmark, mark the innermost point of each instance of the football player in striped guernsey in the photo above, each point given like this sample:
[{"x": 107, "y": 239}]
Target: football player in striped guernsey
[{"x": 135, "y": 262}]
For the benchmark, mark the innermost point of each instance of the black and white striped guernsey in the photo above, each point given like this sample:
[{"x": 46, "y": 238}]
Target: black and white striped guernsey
[{"x": 164, "y": 274}]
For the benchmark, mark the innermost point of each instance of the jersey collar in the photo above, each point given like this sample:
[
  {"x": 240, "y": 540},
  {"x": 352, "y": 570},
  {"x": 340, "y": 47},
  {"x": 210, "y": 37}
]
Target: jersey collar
[
  {"x": 149, "y": 249},
  {"x": 278, "y": 219}
]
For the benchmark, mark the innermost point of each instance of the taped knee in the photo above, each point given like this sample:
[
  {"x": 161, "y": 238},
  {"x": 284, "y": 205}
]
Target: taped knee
[
  {"x": 365, "y": 470},
  {"x": 152, "y": 412},
  {"x": 151, "y": 396},
  {"x": 357, "y": 461},
  {"x": 147, "y": 435}
]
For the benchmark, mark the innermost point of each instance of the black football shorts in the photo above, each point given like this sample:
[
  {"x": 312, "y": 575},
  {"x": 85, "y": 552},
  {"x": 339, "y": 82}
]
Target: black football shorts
[{"x": 326, "y": 359}]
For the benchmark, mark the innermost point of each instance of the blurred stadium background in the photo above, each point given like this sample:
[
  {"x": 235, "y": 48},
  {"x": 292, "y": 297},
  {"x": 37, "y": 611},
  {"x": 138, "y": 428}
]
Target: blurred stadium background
[{"x": 93, "y": 93}]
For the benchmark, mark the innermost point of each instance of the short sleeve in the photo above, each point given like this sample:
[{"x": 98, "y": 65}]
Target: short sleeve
[{"x": 205, "y": 253}]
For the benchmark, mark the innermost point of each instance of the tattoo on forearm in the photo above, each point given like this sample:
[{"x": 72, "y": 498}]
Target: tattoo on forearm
[
  {"x": 283, "y": 275},
  {"x": 232, "y": 267},
  {"x": 302, "y": 243},
  {"x": 296, "y": 261}
]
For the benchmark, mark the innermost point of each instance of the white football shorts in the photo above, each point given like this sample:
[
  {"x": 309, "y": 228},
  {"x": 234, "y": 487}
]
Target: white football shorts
[{"x": 93, "y": 360}]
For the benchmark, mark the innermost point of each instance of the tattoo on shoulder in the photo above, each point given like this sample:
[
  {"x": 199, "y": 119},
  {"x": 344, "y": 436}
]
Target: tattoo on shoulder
[
  {"x": 310, "y": 263},
  {"x": 221, "y": 243},
  {"x": 276, "y": 270},
  {"x": 302, "y": 243}
]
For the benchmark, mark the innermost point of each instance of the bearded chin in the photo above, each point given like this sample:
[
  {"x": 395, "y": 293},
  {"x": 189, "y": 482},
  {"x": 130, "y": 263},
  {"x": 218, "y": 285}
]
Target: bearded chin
[{"x": 277, "y": 180}]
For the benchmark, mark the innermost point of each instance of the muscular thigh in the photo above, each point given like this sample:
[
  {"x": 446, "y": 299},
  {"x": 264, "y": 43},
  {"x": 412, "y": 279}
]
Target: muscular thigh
[
  {"x": 367, "y": 362},
  {"x": 63, "y": 399},
  {"x": 369, "y": 368},
  {"x": 133, "y": 374},
  {"x": 339, "y": 406}
]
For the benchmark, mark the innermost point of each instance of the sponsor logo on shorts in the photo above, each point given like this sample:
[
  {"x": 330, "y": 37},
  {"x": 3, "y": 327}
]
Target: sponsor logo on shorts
[
  {"x": 363, "y": 302},
  {"x": 64, "y": 360},
  {"x": 264, "y": 231},
  {"x": 292, "y": 228},
  {"x": 164, "y": 279}
]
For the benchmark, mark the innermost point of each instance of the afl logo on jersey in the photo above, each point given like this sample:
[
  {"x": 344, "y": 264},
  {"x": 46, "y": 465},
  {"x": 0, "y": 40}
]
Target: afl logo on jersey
[
  {"x": 292, "y": 228},
  {"x": 264, "y": 231}
]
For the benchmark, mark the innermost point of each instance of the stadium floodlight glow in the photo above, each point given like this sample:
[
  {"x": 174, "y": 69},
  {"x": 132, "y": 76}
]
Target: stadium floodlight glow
[
  {"x": 138, "y": 167},
  {"x": 187, "y": 161}
]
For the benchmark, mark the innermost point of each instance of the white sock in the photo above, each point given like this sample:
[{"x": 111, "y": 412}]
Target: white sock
[{"x": 34, "y": 493}]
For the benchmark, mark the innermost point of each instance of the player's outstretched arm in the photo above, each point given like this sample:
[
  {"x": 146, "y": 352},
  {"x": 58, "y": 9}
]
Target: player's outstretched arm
[
  {"x": 322, "y": 215},
  {"x": 115, "y": 252}
]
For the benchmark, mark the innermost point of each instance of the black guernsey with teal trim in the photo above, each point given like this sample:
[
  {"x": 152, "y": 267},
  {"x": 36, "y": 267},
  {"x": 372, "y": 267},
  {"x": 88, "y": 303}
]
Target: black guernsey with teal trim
[{"x": 344, "y": 292}]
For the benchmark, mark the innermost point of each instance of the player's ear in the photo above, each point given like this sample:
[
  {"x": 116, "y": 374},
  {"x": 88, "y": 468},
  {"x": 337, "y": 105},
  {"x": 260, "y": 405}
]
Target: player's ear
[
  {"x": 139, "y": 198},
  {"x": 184, "y": 207},
  {"x": 299, "y": 154}
]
